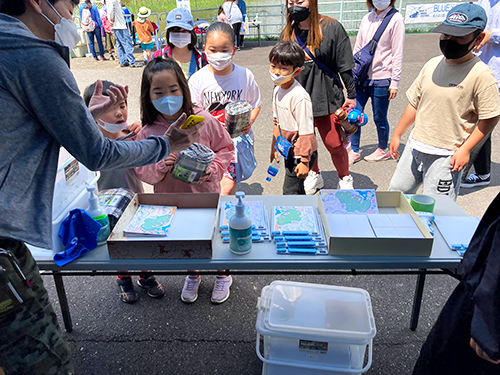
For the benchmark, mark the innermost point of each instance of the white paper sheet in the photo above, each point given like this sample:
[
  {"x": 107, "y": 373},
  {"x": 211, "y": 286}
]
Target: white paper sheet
[{"x": 187, "y": 224}]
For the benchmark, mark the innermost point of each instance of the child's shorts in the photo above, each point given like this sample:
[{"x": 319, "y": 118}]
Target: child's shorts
[{"x": 145, "y": 46}]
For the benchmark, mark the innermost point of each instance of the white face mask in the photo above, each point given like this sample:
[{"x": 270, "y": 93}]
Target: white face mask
[
  {"x": 219, "y": 60},
  {"x": 281, "y": 80},
  {"x": 66, "y": 30},
  {"x": 180, "y": 40},
  {"x": 112, "y": 128},
  {"x": 381, "y": 4}
]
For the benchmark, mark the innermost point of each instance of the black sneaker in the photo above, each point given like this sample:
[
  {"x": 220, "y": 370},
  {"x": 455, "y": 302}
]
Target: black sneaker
[
  {"x": 127, "y": 291},
  {"x": 125, "y": 65},
  {"x": 475, "y": 180},
  {"x": 152, "y": 286}
]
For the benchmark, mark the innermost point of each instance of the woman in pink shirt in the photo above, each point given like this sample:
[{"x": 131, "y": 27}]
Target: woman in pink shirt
[{"x": 384, "y": 74}]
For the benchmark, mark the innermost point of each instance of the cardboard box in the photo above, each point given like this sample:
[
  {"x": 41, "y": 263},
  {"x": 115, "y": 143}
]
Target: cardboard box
[
  {"x": 386, "y": 201},
  {"x": 195, "y": 241}
]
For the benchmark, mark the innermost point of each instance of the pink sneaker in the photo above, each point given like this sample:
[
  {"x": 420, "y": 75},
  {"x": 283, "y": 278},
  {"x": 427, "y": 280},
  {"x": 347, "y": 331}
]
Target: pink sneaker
[
  {"x": 354, "y": 157},
  {"x": 378, "y": 155}
]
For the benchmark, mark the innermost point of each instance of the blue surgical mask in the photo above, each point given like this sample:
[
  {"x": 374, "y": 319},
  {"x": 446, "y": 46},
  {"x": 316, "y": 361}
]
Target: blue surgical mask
[{"x": 169, "y": 105}]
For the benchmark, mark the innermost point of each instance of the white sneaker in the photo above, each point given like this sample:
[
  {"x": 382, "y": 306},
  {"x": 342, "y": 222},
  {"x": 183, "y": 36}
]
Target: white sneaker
[
  {"x": 190, "y": 291},
  {"x": 221, "y": 289},
  {"x": 313, "y": 182},
  {"x": 346, "y": 183}
]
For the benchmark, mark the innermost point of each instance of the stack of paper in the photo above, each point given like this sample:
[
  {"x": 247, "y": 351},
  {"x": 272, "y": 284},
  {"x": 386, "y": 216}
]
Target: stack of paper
[
  {"x": 150, "y": 221},
  {"x": 257, "y": 213},
  {"x": 349, "y": 202},
  {"x": 298, "y": 230},
  {"x": 373, "y": 226},
  {"x": 457, "y": 231}
]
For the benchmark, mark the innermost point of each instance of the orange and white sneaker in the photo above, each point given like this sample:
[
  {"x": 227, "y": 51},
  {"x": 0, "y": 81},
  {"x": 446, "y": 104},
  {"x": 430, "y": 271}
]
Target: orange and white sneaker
[
  {"x": 354, "y": 157},
  {"x": 378, "y": 155}
]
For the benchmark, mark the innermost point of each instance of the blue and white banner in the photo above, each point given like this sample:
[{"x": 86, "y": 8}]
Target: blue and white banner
[
  {"x": 184, "y": 4},
  {"x": 427, "y": 13}
]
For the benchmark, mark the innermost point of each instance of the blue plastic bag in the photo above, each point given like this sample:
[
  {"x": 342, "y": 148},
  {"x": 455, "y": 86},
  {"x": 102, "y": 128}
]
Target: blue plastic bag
[
  {"x": 245, "y": 159},
  {"x": 78, "y": 234}
]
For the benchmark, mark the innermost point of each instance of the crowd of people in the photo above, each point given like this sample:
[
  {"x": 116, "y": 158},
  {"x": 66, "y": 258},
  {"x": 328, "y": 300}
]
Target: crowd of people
[{"x": 454, "y": 103}]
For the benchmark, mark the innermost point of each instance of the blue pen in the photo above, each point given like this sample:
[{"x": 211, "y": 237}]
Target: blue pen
[
  {"x": 292, "y": 233},
  {"x": 225, "y": 233},
  {"x": 302, "y": 238},
  {"x": 306, "y": 251},
  {"x": 254, "y": 239},
  {"x": 226, "y": 227}
]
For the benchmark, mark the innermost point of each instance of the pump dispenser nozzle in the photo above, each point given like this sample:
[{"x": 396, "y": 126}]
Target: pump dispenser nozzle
[
  {"x": 93, "y": 200},
  {"x": 240, "y": 206}
]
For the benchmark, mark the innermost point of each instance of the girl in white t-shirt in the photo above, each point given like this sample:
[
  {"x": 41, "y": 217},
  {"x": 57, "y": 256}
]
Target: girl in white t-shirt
[{"x": 222, "y": 82}]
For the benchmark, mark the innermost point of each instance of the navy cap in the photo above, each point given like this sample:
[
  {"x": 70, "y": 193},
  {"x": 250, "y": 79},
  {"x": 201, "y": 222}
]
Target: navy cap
[
  {"x": 180, "y": 17},
  {"x": 463, "y": 19}
]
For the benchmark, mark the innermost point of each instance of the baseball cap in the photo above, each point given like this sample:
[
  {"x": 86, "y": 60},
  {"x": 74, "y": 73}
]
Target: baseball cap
[
  {"x": 180, "y": 17},
  {"x": 463, "y": 19}
]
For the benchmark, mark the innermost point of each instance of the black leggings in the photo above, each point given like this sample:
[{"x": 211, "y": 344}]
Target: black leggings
[{"x": 236, "y": 29}]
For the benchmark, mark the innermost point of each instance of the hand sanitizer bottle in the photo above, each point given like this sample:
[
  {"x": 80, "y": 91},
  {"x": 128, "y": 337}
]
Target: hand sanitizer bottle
[
  {"x": 240, "y": 228},
  {"x": 98, "y": 214}
]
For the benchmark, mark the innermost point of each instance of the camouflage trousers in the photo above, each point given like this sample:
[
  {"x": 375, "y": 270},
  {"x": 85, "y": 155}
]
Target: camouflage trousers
[{"x": 31, "y": 341}]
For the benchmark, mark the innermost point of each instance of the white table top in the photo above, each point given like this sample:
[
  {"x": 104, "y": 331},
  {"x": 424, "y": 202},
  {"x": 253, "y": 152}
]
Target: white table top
[{"x": 264, "y": 257}]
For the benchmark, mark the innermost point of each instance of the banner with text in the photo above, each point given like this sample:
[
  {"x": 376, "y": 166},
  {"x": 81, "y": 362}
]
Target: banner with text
[
  {"x": 427, "y": 13},
  {"x": 184, "y": 4}
]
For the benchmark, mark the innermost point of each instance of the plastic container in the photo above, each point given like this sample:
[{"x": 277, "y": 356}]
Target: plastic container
[
  {"x": 71, "y": 179},
  {"x": 274, "y": 168},
  {"x": 69, "y": 193},
  {"x": 313, "y": 329},
  {"x": 237, "y": 117},
  {"x": 193, "y": 163},
  {"x": 98, "y": 214},
  {"x": 240, "y": 228}
]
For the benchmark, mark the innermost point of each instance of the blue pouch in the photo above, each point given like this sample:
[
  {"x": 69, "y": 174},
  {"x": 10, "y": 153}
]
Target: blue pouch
[{"x": 283, "y": 146}]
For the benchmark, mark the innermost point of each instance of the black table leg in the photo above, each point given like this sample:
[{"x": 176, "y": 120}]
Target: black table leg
[
  {"x": 63, "y": 301},
  {"x": 417, "y": 300}
]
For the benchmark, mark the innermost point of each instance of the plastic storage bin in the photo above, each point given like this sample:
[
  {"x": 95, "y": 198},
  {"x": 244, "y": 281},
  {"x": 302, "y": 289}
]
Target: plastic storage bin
[
  {"x": 313, "y": 329},
  {"x": 69, "y": 192}
]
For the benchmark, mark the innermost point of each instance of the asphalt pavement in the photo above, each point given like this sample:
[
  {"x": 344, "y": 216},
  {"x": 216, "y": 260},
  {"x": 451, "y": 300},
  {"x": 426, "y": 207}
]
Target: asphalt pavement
[{"x": 166, "y": 336}]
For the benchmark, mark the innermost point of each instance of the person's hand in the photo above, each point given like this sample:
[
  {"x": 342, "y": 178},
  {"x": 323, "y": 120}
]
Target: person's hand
[
  {"x": 480, "y": 352},
  {"x": 393, "y": 147},
  {"x": 247, "y": 128},
  {"x": 351, "y": 103},
  {"x": 135, "y": 127},
  {"x": 181, "y": 139},
  {"x": 206, "y": 176},
  {"x": 302, "y": 170},
  {"x": 486, "y": 39},
  {"x": 274, "y": 156},
  {"x": 100, "y": 104},
  {"x": 170, "y": 161},
  {"x": 459, "y": 160},
  {"x": 392, "y": 93}
]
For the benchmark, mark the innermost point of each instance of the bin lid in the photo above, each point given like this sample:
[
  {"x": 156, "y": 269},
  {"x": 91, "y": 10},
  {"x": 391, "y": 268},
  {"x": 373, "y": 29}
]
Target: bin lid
[{"x": 320, "y": 310}]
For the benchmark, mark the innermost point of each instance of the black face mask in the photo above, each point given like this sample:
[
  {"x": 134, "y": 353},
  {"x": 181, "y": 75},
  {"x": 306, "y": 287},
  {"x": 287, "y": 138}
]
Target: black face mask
[
  {"x": 298, "y": 14},
  {"x": 454, "y": 50}
]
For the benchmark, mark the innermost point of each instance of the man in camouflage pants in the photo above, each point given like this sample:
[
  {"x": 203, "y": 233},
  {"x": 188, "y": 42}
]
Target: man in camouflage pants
[
  {"x": 30, "y": 338},
  {"x": 41, "y": 110}
]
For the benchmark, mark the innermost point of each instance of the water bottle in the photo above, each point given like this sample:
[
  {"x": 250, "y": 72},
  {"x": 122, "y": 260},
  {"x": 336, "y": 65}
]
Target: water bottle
[
  {"x": 272, "y": 170},
  {"x": 257, "y": 17},
  {"x": 357, "y": 117}
]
